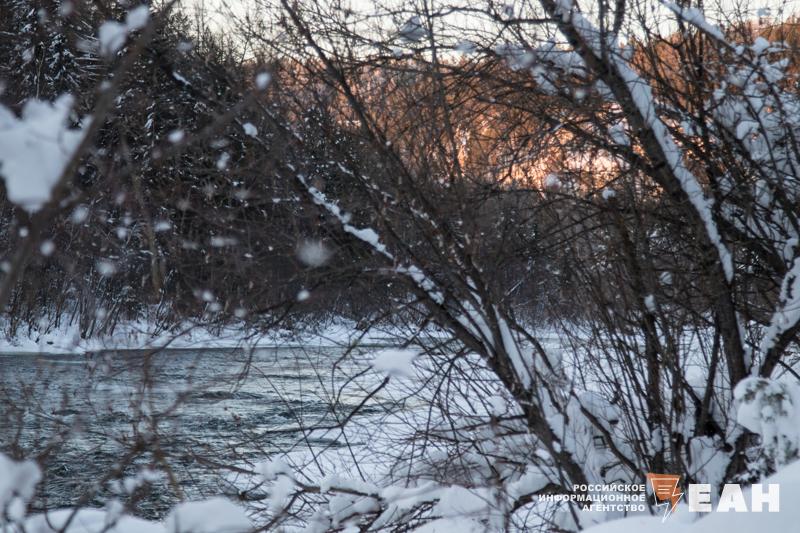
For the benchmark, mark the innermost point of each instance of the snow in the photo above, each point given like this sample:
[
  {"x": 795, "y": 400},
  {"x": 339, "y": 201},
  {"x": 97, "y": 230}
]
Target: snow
[
  {"x": 458, "y": 501},
  {"x": 395, "y": 362},
  {"x": 619, "y": 135},
  {"x": 531, "y": 482},
  {"x": 249, "y": 129},
  {"x": 18, "y": 482},
  {"x": 262, "y": 80},
  {"x": 521, "y": 360},
  {"x": 137, "y": 18},
  {"x": 640, "y": 94},
  {"x": 180, "y": 78},
  {"x": 106, "y": 268},
  {"x": 221, "y": 241},
  {"x": 47, "y": 248},
  {"x": 552, "y": 181},
  {"x": 141, "y": 479},
  {"x": 270, "y": 470},
  {"x": 423, "y": 282},
  {"x": 695, "y": 17},
  {"x": 466, "y": 47},
  {"x": 280, "y": 491},
  {"x": 89, "y": 521},
  {"x": 313, "y": 253},
  {"x": 35, "y": 150},
  {"x": 498, "y": 405},
  {"x": 787, "y": 312},
  {"x": 452, "y": 525},
  {"x": 215, "y": 515},
  {"x": 769, "y": 408},
  {"x": 141, "y": 334},
  {"x": 412, "y": 30},
  {"x": 371, "y": 238},
  {"x": 760, "y": 45},
  {"x": 112, "y": 35},
  {"x": 176, "y": 136},
  {"x": 79, "y": 214}
]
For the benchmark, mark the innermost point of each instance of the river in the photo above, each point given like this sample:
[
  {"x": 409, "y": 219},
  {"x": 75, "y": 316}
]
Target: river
[{"x": 209, "y": 409}]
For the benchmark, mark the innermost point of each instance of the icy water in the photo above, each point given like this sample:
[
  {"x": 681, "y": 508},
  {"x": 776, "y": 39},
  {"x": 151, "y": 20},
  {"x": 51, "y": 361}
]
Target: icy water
[{"x": 79, "y": 415}]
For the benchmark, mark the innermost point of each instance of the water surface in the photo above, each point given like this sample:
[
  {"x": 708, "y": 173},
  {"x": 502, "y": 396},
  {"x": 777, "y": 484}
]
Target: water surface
[{"x": 206, "y": 410}]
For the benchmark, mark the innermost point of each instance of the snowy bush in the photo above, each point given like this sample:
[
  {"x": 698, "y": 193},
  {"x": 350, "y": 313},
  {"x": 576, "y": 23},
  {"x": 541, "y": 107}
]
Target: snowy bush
[
  {"x": 18, "y": 482},
  {"x": 769, "y": 408}
]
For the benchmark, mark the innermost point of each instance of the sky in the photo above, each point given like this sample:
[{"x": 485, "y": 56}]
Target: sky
[{"x": 220, "y": 10}]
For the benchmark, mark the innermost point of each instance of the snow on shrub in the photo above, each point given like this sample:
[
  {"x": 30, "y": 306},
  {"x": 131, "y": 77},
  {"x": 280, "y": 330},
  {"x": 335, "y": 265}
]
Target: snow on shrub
[
  {"x": 18, "y": 482},
  {"x": 112, "y": 35},
  {"x": 35, "y": 150},
  {"x": 768, "y": 408},
  {"x": 215, "y": 515}
]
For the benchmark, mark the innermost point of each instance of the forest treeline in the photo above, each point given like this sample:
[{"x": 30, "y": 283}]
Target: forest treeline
[
  {"x": 215, "y": 229},
  {"x": 164, "y": 229}
]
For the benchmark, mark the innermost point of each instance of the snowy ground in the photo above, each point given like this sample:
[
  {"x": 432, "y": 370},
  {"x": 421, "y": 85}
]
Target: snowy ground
[{"x": 142, "y": 335}]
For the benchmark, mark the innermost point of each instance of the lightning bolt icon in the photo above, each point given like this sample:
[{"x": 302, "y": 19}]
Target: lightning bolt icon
[{"x": 665, "y": 491}]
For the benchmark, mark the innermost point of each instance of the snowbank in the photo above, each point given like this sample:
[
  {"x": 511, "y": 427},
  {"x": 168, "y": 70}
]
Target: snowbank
[
  {"x": 18, "y": 480},
  {"x": 143, "y": 335}
]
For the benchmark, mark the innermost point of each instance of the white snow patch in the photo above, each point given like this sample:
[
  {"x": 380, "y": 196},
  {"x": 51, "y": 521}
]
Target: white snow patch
[
  {"x": 176, "y": 136},
  {"x": 35, "y": 150},
  {"x": 89, "y": 521},
  {"x": 551, "y": 181},
  {"x": 106, "y": 268},
  {"x": 412, "y": 30},
  {"x": 249, "y": 129},
  {"x": 137, "y": 18},
  {"x": 79, "y": 215},
  {"x": 262, "y": 80},
  {"x": 215, "y": 515},
  {"x": 313, "y": 253},
  {"x": 112, "y": 35},
  {"x": 395, "y": 362},
  {"x": 18, "y": 482},
  {"x": 47, "y": 248}
]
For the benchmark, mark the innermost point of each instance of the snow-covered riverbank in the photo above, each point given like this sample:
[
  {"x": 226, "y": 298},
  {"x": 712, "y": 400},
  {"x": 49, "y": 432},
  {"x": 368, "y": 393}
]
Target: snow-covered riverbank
[{"x": 142, "y": 335}]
